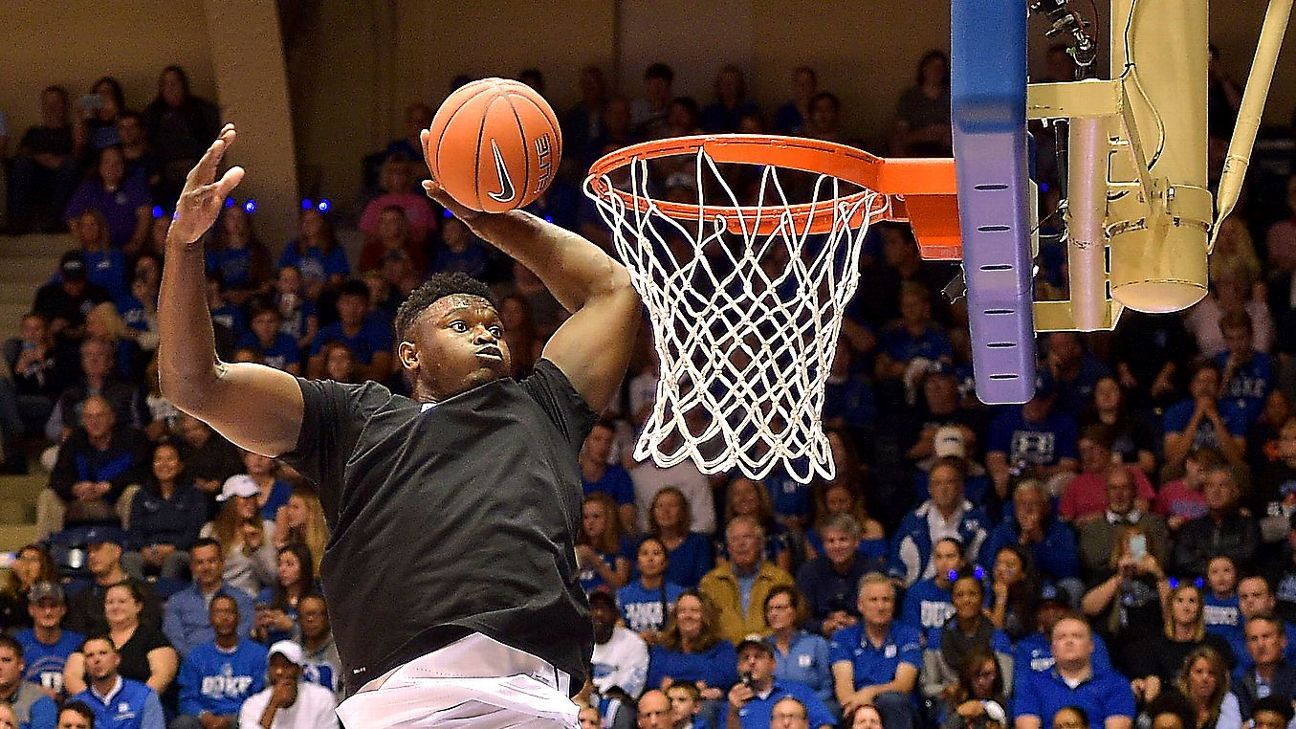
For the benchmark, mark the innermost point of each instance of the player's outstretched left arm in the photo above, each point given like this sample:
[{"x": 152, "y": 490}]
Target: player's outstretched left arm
[{"x": 593, "y": 346}]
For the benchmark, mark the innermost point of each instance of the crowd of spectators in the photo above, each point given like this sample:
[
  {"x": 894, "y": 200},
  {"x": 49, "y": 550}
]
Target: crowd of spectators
[{"x": 1120, "y": 548}]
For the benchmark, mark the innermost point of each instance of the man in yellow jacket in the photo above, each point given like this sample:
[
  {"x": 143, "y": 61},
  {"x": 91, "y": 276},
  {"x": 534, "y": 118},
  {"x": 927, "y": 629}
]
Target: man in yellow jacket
[{"x": 740, "y": 587}]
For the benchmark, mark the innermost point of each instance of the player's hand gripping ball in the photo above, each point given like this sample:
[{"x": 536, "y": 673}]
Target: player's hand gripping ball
[{"x": 494, "y": 145}]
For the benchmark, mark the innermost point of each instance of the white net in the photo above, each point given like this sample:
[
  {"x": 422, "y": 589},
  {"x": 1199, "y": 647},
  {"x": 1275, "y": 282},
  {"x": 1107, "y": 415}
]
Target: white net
[{"x": 746, "y": 304}]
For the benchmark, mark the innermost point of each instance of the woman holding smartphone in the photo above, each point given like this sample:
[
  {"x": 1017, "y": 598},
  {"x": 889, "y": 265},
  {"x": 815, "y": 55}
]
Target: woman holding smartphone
[{"x": 1125, "y": 603}]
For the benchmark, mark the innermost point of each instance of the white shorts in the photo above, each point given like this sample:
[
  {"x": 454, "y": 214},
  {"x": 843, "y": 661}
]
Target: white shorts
[{"x": 474, "y": 683}]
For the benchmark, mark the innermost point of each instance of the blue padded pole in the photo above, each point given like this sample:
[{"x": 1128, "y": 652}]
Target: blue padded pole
[{"x": 988, "y": 113}]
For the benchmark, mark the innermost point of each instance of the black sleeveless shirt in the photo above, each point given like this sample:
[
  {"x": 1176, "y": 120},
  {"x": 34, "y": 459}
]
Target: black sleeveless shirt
[{"x": 449, "y": 520}]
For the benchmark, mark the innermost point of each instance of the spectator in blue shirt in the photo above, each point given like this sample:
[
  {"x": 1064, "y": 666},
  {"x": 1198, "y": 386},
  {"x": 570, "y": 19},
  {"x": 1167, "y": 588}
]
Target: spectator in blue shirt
[
  {"x": 689, "y": 553},
  {"x": 646, "y": 603},
  {"x": 369, "y": 338},
  {"x": 1072, "y": 372},
  {"x": 118, "y": 703},
  {"x": 946, "y": 513},
  {"x": 1052, "y": 543},
  {"x": 1204, "y": 420},
  {"x": 1248, "y": 376},
  {"x": 277, "y": 350},
  {"x": 1074, "y": 681},
  {"x": 1035, "y": 651},
  {"x": 830, "y": 582},
  {"x": 46, "y": 645},
  {"x": 599, "y": 474},
  {"x": 1034, "y": 440},
  {"x": 692, "y": 650},
  {"x": 929, "y": 602},
  {"x": 877, "y": 660},
  {"x": 752, "y": 700},
  {"x": 915, "y": 335},
  {"x": 218, "y": 676},
  {"x": 799, "y": 655},
  {"x": 316, "y": 253},
  {"x": 187, "y": 623},
  {"x": 31, "y": 707}
]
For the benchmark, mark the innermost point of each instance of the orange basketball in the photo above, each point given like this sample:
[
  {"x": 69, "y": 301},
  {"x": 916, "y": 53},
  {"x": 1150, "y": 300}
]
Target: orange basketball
[{"x": 494, "y": 145}]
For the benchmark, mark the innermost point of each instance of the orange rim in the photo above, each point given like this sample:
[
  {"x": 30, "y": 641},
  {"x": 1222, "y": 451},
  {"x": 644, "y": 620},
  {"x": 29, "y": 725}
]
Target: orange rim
[{"x": 894, "y": 178}]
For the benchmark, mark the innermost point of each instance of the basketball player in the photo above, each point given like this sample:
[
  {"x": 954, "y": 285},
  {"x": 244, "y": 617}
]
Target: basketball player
[{"x": 450, "y": 573}]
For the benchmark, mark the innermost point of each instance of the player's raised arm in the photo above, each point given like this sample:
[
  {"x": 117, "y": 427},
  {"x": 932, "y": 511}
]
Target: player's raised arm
[
  {"x": 593, "y": 346},
  {"x": 256, "y": 407}
]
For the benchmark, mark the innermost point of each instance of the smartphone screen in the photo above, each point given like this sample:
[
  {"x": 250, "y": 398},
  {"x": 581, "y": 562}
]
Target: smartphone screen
[{"x": 1138, "y": 546}]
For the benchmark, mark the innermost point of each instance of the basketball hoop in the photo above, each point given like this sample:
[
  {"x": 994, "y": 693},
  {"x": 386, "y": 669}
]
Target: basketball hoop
[{"x": 747, "y": 295}]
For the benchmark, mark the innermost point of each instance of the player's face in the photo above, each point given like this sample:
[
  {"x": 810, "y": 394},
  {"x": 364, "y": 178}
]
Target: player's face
[{"x": 458, "y": 344}]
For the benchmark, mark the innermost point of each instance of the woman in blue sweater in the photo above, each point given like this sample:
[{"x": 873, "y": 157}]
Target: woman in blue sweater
[{"x": 692, "y": 650}]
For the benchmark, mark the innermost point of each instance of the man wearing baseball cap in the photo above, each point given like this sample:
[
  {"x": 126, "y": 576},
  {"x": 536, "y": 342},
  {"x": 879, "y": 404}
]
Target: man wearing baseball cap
[
  {"x": 752, "y": 700},
  {"x": 66, "y": 301},
  {"x": 288, "y": 702},
  {"x": 46, "y": 645},
  {"x": 103, "y": 560}
]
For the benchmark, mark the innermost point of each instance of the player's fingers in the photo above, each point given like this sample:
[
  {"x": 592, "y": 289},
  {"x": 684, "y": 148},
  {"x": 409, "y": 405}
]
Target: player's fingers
[
  {"x": 230, "y": 180},
  {"x": 206, "y": 167},
  {"x": 423, "y": 135}
]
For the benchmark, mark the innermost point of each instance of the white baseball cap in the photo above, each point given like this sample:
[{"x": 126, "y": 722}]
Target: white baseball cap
[
  {"x": 238, "y": 485},
  {"x": 949, "y": 442},
  {"x": 287, "y": 649}
]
